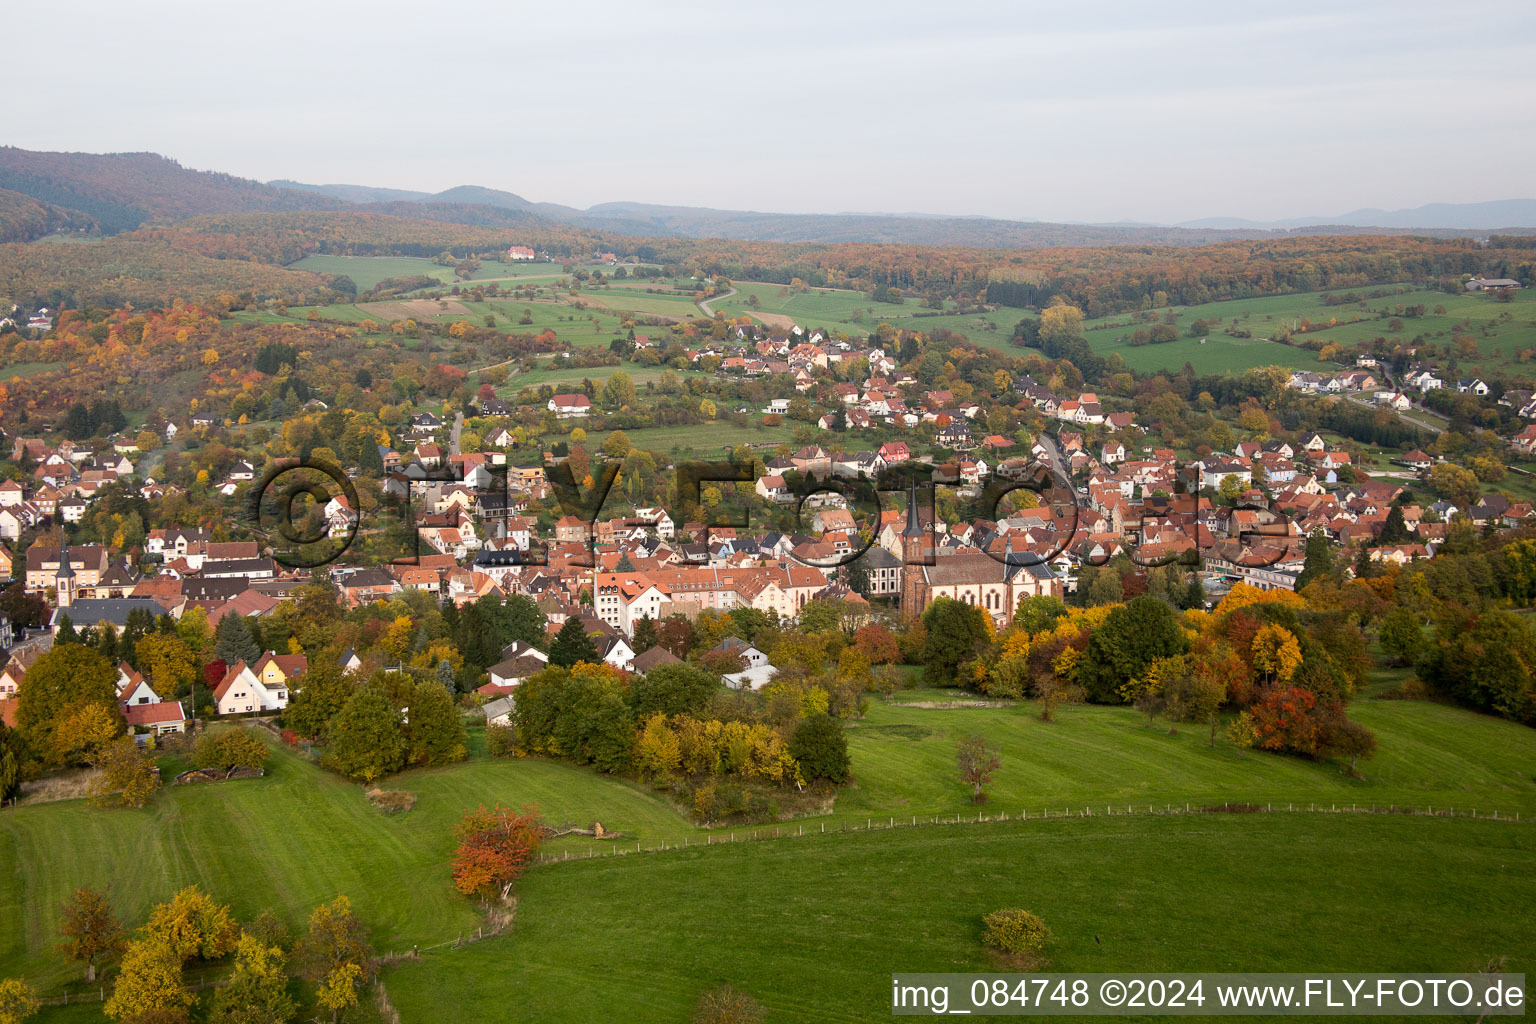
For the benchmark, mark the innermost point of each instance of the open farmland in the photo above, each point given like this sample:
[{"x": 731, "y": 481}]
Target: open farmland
[{"x": 1501, "y": 329}]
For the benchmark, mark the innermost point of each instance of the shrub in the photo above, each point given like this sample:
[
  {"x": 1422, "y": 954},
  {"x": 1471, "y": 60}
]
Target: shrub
[
  {"x": 1015, "y": 932},
  {"x": 226, "y": 748},
  {"x": 821, "y": 749},
  {"x": 726, "y": 1005},
  {"x": 391, "y": 801},
  {"x": 501, "y": 741}
]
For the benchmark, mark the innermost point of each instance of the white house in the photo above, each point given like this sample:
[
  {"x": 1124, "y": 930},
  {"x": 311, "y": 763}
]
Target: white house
[
  {"x": 566, "y": 406},
  {"x": 241, "y": 691}
]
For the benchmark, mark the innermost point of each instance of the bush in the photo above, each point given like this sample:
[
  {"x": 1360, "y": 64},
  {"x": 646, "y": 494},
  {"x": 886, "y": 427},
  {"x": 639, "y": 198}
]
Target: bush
[
  {"x": 726, "y": 1005},
  {"x": 391, "y": 801},
  {"x": 227, "y": 748},
  {"x": 821, "y": 749},
  {"x": 1015, "y": 932},
  {"x": 501, "y": 741}
]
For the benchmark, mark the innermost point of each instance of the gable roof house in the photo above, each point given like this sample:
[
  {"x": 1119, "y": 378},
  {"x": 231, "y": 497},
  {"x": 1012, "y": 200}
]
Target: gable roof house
[{"x": 241, "y": 691}]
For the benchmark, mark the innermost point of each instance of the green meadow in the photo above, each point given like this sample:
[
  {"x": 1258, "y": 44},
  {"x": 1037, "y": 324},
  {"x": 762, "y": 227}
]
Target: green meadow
[
  {"x": 751, "y": 914},
  {"x": 814, "y": 927}
]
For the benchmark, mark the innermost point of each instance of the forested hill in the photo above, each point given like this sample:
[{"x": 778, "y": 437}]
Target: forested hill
[
  {"x": 41, "y": 193},
  {"x": 121, "y": 191}
]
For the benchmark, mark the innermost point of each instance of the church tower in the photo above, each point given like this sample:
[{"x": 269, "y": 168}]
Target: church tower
[
  {"x": 914, "y": 549},
  {"x": 65, "y": 577}
]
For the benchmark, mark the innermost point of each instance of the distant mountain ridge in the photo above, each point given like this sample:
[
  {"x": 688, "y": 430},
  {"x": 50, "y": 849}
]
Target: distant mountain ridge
[
  {"x": 1486, "y": 216},
  {"x": 118, "y": 192}
]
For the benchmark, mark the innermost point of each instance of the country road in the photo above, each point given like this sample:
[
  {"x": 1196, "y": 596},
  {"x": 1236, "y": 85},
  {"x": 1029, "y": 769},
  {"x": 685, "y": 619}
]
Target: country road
[{"x": 704, "y": 303}]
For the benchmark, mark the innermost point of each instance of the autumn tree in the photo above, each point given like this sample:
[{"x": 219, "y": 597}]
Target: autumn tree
[
  {"x": 149, "y": 982},
  {"x": 61, "y": 682},
  {"x": 977, "y": 760},
  {"x": 84, "y": 732},
  {"x": 125, "y": 775},
  {"x": 168, "y": 663},
  {"x": 494, "y": 846},
  {"x": 191, "y": 925},
  {"x": 336, "y": 956},
  {"x": 90, "y": 930},
  {"x": 18, "y": 1001},
  {"x": 257, "y": 990},
  {"x": 1276, "y": 653}
]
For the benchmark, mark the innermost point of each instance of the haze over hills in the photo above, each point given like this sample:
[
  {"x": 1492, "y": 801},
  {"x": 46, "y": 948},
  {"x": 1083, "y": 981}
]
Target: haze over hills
[
  {"x": 1497, "y": 213},
  {"x": 111, "y": 193}
]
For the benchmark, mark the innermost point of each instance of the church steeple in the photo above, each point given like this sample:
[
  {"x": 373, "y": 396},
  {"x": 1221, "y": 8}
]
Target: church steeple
[
  {"x": 65, "y": 577},
  {"x": 913, "y": 549}
]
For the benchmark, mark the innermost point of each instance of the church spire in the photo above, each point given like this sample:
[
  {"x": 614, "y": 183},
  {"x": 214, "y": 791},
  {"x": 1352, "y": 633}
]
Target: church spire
[{"x": 64, "y": 579}]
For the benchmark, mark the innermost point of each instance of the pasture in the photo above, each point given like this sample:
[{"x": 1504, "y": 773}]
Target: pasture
[
  {"x": 814, "y": 927},
  {"x": 1501, "y": 330},
  {"x": 300, "y": 836}
]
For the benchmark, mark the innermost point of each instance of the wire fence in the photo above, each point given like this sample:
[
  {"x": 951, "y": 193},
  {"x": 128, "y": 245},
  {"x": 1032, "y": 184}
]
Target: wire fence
[{"x": 622, "y": 848}]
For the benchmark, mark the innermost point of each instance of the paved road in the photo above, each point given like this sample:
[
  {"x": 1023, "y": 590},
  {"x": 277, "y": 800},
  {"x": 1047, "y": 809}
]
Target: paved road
[
  {"x": 704, "y": 303},
  {"x": 453, "y": 438}
]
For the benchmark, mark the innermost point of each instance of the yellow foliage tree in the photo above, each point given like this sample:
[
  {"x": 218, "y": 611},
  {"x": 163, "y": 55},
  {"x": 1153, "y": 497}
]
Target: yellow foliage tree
[
  {"x": 83, "y": 731},
  {"x": 17, "y": 1001},
  {"x": 150, "y": 980},
  {"x": 657, "y": 750},
  {"x": 1276, "y": 653},
  {"x": 193, "y": 925}
]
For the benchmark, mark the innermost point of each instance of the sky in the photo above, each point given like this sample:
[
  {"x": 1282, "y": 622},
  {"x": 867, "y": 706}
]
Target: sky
[{"x": 1086, "y": 112}]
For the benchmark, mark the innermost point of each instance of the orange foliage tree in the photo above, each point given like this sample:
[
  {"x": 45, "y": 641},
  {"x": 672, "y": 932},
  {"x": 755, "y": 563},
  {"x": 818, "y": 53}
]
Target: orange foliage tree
[{"x": 495, "y": 845}]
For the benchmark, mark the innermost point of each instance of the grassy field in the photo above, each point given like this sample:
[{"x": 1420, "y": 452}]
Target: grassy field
[
  {"x": 287, "y": 842},
  {"x": 814, "y": 927},
  {"x": 1430, "y": 755},
  {"x": 1502, "y": 330},
  {"x": 818, "y": 307},
  {"x": 21, "y": 371},
  {"x": 300, "y": 836},
  {"x": 707, "y": 438}
]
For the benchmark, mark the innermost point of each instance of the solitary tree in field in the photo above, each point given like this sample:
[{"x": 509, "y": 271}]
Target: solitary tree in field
[
  {"x": 977, "y": 761},
  {"x": 494, "y": 848},
  {"x": 90, "y": 930}
]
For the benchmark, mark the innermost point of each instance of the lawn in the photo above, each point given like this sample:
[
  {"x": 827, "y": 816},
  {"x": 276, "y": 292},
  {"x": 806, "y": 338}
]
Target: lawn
[{"x": 814, "y": 927}]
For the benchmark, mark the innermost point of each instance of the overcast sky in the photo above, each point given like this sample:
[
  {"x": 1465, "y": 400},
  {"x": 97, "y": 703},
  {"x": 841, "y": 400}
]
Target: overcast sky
[{"x": 1067, "y": 111}]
